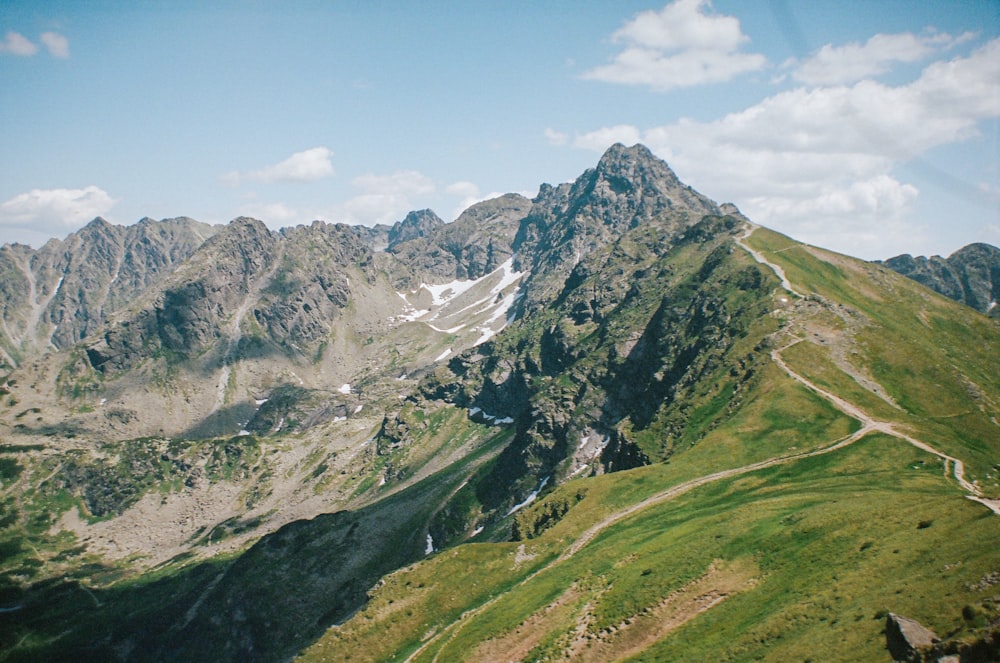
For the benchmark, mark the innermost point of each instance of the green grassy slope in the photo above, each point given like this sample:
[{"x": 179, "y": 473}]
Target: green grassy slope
[{"x": 800, "y": 560}]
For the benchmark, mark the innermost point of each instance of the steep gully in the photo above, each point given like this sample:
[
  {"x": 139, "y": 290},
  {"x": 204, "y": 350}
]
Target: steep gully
[{"x": 868, "y": 425}]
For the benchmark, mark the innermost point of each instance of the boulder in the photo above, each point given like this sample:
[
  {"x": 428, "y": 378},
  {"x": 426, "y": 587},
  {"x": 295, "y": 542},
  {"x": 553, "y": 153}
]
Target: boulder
[{"x": 905, "y": 637}]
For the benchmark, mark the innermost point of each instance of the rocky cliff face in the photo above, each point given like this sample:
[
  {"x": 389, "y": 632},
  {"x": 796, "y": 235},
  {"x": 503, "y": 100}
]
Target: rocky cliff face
[
  {"x": 473, "y": 245},
  {"x": 628, "y": 188},
  {"x": 970, "y": 275},
  {"x": 56, "y": 296}
]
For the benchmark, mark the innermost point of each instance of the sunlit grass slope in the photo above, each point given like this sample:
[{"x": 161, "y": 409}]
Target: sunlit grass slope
[{"x": 809, "y": 556}]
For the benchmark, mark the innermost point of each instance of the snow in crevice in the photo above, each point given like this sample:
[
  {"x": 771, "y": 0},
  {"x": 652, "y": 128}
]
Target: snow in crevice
[
  {"x": 530, "y": 498},
  {"x": 430, "y": 544}
]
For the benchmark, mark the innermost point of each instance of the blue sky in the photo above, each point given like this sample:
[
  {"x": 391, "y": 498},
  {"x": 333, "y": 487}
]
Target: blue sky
[{"x": 871, "y": 128}]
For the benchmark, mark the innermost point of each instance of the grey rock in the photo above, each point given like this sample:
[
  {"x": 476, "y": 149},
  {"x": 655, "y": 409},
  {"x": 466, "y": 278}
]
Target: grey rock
[
  {"x": 905, "y": 637},
  {"x": 970, "y": 275}
]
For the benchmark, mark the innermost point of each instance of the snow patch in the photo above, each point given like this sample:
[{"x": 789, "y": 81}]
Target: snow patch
[
  {"x": 358, "y": 409},
  {"x": 443, "y": 354},
  {"x": 992, "y": 306},
  {"x": 530, "y": 498},
  {"x": 492, "y": 418},
  {"x": 430, "y": 544},
  {"x": 478, "y": 531},
  {"x": 336, "y": 419},
  {"x": 260, "y": 401},
  {"x": 244, "y": 433},
  {"x": 453, "y": 330},
  {"x": 445, "y": 292},
  {"x": 345, "y": 389}
]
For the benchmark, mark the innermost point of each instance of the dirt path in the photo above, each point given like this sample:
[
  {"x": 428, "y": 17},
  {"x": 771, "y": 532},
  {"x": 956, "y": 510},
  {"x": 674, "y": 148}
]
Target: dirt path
[
  {"x": 759, "y": 257},
  {"x": 852, "y": 411}
]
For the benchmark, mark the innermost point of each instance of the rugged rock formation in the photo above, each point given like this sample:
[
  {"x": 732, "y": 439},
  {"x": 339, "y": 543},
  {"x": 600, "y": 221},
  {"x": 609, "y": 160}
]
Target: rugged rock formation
[
  {"x": 56, "y": 296},
  {"x": 970, "y": 275}
]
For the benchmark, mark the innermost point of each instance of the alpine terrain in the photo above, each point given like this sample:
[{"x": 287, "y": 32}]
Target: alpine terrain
[{"x": 617, "y": 421}]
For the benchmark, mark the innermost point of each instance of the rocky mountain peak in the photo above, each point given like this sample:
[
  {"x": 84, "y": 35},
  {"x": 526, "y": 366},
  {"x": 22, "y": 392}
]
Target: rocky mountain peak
[
  {"x": 418, "y": 223},
  {"x": 631, "y": 183},
  {"x": 629, "y": 187}
]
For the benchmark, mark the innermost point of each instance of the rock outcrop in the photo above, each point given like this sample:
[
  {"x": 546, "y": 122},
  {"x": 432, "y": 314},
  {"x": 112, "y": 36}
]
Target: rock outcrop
[
  {"x": 906, "y": 638},
  {"x": 970, "y": 275}
]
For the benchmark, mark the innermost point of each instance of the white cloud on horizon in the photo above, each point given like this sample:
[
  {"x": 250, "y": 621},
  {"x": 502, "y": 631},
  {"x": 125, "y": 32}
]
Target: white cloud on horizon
[
  {"x": 678, "y": 46},
  {"x": 53, "y": 212},
  {"x": 384, "y": 198},
  {"x": 834, "y": 65},
  {"x": 306, "y": 166},
  {"x": 811, "y": 161}
]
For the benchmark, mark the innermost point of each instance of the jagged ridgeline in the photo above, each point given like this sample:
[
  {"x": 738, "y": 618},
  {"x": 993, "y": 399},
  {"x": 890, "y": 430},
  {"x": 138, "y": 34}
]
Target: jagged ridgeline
[{"x": 616, "y": 420}]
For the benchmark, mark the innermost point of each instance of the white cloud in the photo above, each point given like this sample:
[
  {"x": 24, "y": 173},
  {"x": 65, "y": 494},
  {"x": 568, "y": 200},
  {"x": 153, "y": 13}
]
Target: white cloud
[
  {"x": 17, "y": 44},
  {"x": 678, "y": 46},
  {"x": 556, "y": 138},
  {"x": 470, "y": 195},
  {"x": 57, "y": 44},
  {"x": 55, "y": 211},
  {"x": 833, "y": 65},
  {"x": 818, "y": 163},
  {"x": 275, "y": 215},
  {"x": 384, "y": 198},
  {"x": 603, "y": 138},
  {"x": 306, "y": 166}
]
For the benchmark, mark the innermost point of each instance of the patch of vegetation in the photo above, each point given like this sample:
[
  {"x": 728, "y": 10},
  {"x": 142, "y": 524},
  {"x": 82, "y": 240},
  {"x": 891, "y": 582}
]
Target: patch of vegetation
[{"x": 531, "y": 522}]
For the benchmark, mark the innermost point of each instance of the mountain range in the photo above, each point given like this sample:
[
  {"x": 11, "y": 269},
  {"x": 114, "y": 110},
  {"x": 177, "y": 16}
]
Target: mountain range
[{"x": 617, "y": 420}]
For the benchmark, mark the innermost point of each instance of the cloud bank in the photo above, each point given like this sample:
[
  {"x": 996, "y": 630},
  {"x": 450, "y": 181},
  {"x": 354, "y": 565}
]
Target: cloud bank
[
  {"x": 54, "y": 212},
  {"x": 818, "y": 161}
]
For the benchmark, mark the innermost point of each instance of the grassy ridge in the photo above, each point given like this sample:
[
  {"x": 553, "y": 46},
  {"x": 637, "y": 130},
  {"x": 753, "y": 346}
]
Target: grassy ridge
[{"x": 935, "y": 358}]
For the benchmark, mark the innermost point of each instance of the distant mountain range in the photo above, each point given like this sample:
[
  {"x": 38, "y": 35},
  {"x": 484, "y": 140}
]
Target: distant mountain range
[
  {"x": 615, "y": 421},
  {"x": 970, "y": 275}
]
